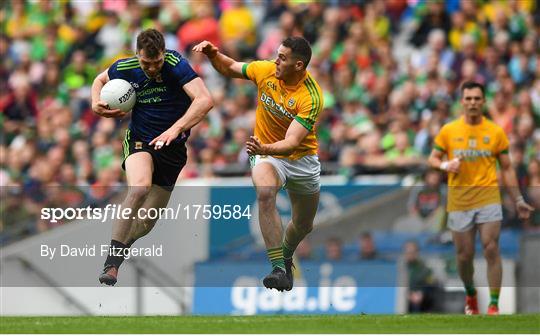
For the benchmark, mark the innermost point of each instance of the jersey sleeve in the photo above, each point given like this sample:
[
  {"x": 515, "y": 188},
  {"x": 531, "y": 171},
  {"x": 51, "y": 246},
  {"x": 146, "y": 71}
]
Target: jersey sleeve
[
  {"x": 502, "y": 144},
  {"x": 257, "y": 70},
  {"x": 440, "y": 142},
  {"x": 310, "y": 107},
  {"x": 115, "y": 73},
  {"x": 183, "y": 72}
]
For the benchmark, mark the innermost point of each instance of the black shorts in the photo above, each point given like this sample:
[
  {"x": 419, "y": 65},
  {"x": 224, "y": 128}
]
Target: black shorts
[{"x": 168, "y": 161}]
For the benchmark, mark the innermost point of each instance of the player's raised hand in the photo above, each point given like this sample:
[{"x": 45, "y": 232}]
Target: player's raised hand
[
  {"x": 101, "y": 108},
  {"x": 254, "y": 146},
  {"x": 524, "y": 210},
  {"x": 164, "y": 139},
  {"x": 206, "y": 48}
]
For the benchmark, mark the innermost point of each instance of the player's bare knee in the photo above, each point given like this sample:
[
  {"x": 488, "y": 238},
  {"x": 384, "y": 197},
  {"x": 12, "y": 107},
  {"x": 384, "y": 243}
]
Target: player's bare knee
[
  {"x": 266, "y": 196},
  {"x": 465, "y": 255},
  {"x": 491, "y": 250}
]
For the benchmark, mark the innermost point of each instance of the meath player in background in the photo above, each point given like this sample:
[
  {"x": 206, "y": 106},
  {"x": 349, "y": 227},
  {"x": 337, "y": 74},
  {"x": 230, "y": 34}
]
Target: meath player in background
[
  {"x": 473, "y": 145},
  {"x": 284, "y": 149}
]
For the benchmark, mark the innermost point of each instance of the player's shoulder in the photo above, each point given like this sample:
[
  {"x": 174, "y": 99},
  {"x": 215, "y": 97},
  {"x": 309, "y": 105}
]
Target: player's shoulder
[
  {"x": 177, "y": 68},
  {"x": 263, "y": 63},
  {"x": 311, "y": 83},
  {"x": 493, "y": 126},
  {"x": 452, "y": 125},
  {"x": 258, "y": 70},
  {"x": 174, "y": 59},
  {"x": 124, "y": 64},
  {"x": 172, "y": 52},
  {"x": 262, "y": 66},
  {"x": 311, "y": 89}
]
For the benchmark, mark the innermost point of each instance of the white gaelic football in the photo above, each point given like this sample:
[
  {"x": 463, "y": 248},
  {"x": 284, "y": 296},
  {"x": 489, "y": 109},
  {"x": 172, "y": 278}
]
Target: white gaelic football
[{"x": 119, "y": 94}]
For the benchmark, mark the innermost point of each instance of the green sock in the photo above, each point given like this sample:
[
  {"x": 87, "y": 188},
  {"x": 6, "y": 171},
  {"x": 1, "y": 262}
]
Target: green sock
[
  {"x": 470, "y": 290},
  {"x": 288, "y": 251},
  {"x": 494, "y": 297},
  {"x": 276, "y": 257}
]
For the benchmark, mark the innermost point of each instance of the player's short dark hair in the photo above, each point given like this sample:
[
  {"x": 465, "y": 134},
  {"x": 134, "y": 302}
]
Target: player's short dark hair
[
  {"x": 300, "y": 48},
  {"x": 152, "y": 41},
  {"x": 471, "y": 85}
]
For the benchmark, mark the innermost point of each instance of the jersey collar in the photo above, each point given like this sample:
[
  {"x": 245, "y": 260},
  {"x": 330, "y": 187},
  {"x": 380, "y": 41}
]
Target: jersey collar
[
  {"x": 462, "y": 119},
  {"x": 300, "y": 82}
]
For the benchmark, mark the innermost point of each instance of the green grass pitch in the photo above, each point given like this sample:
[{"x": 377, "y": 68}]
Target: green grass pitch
[{"x": 432, "y": 324}]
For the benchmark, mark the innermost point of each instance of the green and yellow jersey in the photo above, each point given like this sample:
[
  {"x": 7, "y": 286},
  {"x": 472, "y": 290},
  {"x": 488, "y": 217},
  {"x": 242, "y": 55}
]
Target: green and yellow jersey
[
  {"x": 278, "y": 105},
  {"x": 478, "y": 146}
]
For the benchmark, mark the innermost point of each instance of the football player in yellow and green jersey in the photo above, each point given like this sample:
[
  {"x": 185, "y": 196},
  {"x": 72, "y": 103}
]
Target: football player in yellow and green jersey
[
  {"x": 477, "y": 147},
  {"x": 473, "y": 145},
  {"x": 283, "y": 150},
  {"x": 279, "y": 104}
]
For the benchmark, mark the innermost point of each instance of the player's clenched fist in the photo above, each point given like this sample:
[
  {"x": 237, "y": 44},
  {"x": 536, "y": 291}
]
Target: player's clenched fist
[
  {"x": 524, "y": 210},
  {"x": 254, "y": 146},
  {"x": 206, "y": 48},
  {"x": 452, "y": 165}
]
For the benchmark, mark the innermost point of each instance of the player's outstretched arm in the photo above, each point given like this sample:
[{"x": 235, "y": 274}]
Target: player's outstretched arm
[
  {"x": 100, "y": 107},
  {"x": 294, "y": 136},
  {"x": 222, "y": 63},
  {"x": 510, "y": 181},
  {"x": 201, "y": 103}
]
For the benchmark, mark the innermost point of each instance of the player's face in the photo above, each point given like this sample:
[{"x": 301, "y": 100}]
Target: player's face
[
  {"x": 151, "y": 66},
  {"x": 285, "y": 63},
  {"x": 473, "y": 102}
]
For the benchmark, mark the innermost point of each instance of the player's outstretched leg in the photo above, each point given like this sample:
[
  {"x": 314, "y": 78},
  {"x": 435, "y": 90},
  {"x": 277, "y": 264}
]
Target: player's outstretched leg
[
  {"x": 267, "y": 184},
  {"x": 139, "y": 167},
  {"x": 489, "y": 234},
  {"x": 464, "y": 243},
  {"x": 157, "y": 198}
]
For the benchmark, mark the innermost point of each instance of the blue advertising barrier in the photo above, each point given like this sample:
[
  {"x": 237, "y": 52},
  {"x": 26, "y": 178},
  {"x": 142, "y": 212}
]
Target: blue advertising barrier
[{"x": 230, "y": 288}]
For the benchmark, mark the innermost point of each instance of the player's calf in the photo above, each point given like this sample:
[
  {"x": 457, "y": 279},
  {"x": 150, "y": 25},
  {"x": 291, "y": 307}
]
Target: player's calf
[{"x": 141, "y": 228}]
